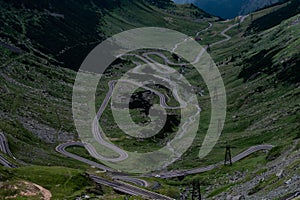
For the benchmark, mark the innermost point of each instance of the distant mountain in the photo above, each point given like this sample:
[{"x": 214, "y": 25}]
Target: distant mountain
[{"x": 229, "y": 8}]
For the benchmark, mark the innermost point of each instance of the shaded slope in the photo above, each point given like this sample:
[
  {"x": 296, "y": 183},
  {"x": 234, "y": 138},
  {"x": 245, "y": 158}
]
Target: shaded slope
[
  {"x": 68, "y": 30},
  {"x": 277, "y": 49},
  {"x": 274, "y": 18},
  {"x": 229, "y": 8}
]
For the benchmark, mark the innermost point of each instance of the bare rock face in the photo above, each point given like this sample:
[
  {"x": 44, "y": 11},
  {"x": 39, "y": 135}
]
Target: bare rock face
[
  {"x": 24, "y": 189},
  {"x": 46, "y": 133}
]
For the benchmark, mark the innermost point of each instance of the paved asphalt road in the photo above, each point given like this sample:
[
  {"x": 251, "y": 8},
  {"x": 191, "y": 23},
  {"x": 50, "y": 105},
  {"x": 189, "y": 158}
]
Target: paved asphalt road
[
  {"x": 98, "y": 133},
  {"x": 4, "y": 145},
  {"x": 11, "y": 48},
  {"x": 293, "y": 196},
  {"x": 123, "y": 155},
  {"x": 129, "y": 189},
  {"x": 198, "y": 57},
  {"x": 136, "y": 181},
  {"x": 124, "y": 177},
  {"x": 227, "y": 37},
  {"x": 5, "y": 163},
  {"x": 4, "y": 148},
  {"x": 120, "y": 186},
  {"x": 240, "y": 156},
  {"x": 62, "y": 149}
]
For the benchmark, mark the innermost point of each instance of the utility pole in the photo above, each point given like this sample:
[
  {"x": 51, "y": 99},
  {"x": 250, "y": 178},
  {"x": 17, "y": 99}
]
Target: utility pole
[
  {"x": 228, "y": 155},
  {"x": 208, "y": 47},
  {"x": 193, "y": 191},
  {"x": 199, "y": 191},
  {"x": 196, "y": 192}
]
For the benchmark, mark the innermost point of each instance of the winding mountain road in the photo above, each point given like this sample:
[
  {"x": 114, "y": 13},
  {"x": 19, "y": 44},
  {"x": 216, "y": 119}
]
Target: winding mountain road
[
  {"x": 120, "y": 186},
  {"x": 227, "y": 37},
  {"x": 5, "y": 149},
  {"x": 5, "y": 163},
  {"x": 98, "y": 133},
  {"x": 188, "y": 38},
  {"x": 240, "y": 156},
  {"x": 198, "y": 57},
  {"x": 129, "y": 189},
  {"x": 133, "y": 180},
  {"x": 11, "y": 48},
  {"x": 122, "y": 154},
  {"x": 62, "y": 149},
  {"x": 4, "y": 145}
]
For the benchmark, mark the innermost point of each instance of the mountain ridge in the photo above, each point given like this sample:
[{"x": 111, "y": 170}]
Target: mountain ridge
[
  {"x": 229, "y": 8},
  {"x": 84, "y": 23}
]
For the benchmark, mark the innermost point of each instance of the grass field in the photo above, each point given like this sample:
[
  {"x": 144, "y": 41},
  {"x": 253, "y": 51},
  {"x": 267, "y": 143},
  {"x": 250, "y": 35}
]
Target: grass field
[{"x": 64, "y": 183}]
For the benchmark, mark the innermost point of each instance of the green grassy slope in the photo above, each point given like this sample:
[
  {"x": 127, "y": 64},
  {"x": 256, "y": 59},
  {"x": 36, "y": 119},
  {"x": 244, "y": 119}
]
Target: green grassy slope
[
  {"x": 140, "y": 14},
  {"x": 274, "y": 18},
  {"x": 260, "y": 71},
  {"x": 265, "y": 107},
  {"x": 261, "y": 74},
  {"x": 64, "y": 183},
  {"x": 36, "y": 91},
  {"x": 68, "y": 31}
]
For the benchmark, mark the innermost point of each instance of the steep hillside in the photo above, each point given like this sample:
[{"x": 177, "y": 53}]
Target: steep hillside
[
  {"x": 252, "y": 5},
  {"x": 41, "y": 41},
  {"x": 274, "y": 18},
  {"x": 261, "y": 73},
  {"x": 37, "y": 37},
  {"x": 68, "y": 31},
  {"x": 229, "y": 8}
]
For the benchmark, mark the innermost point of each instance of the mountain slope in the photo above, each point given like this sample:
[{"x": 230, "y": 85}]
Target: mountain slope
[
  {"x": 229, "y": 8},
  {"x": 68, "y": 31},
  {"x": 35, "y": 42},
  {"x": 261, "y": 74},
  {"x": 260, "y": 71},
  {"x": 274, "y": 18},
  {"x": 40, "y": 41}
]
